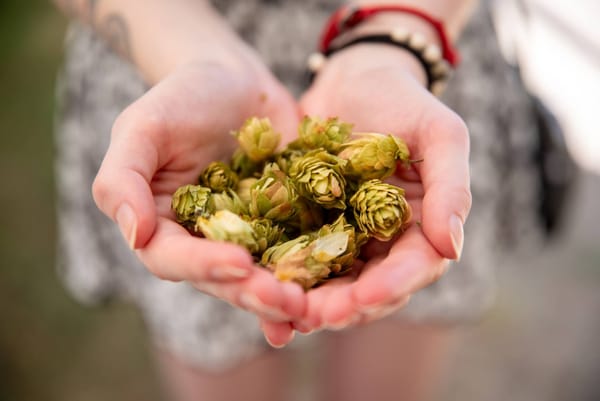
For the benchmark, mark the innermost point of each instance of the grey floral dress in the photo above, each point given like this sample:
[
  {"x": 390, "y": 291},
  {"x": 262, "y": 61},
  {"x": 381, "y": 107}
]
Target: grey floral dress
[{"x": 96, "y": 85}]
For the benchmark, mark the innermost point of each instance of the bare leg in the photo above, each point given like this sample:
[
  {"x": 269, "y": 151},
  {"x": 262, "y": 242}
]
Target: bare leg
[
  {"x": 387, "y": 360},
  {"x": 262, "y": 379}
]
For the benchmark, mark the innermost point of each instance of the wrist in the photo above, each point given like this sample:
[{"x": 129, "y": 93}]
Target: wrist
[{"x": 355, "y": 61}]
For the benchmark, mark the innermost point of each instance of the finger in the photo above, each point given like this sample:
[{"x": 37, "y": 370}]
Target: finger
[
  {"x": 411, "y": 264},
  {"x": 277, "y": 334},
  {"x": 268, "y": 297},
  {"x": 122, "y": 186},
  {"x": 174, "y": 254},
  {"x": 444, "y": 146}
]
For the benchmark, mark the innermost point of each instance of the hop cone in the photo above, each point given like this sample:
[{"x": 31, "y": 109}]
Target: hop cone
[
  {"x": 309, "y": 216},
  {"x": 380, "y": 209},
  {"x": 355, "y": 240},
  {"x": 243, "y": 166},
  {"x": 190, "y": 202},
  {"x": 228, "y": 200},
  {"x": 315, "y": 133},
  {"x": 257, "y": 139},
  {"x": 227, "y": 226},
  {"x": 318, "y": 177},
  {"x": 286, "y": 158},
  {"x": 218, "y": 177},
  {"x": 273, "y": 197},
  {"x": 243, "y": 189},
  {"x": 266, "y": 233},
  {"x": 373, "y": 156},
  {"x": 307, "y": 259}
]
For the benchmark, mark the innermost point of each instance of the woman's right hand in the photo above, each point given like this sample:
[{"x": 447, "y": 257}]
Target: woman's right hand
[{"x": 163, "y": 141}]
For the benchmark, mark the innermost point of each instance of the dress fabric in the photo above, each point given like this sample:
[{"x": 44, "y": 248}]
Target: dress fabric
[{"x": 96, "y": 265}]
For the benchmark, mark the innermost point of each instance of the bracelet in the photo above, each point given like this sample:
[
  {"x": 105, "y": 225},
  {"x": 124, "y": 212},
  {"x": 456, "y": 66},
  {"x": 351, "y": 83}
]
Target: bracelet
[
  {"x": 437, "y": 69},
  {"x": 350, "y": 16}
]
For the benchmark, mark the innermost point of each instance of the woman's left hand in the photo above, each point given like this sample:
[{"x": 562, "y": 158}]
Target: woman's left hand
[{"x": 380, "y": 88}]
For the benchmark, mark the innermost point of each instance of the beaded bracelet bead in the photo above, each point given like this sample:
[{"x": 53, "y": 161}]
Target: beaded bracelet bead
[{"x": 429, "y": 55}]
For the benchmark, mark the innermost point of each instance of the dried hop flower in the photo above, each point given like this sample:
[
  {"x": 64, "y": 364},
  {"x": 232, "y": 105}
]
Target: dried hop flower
[
  {"x": 190, "y": 202},
  {"x": 307, "y": 259},
  {"x": 227, "y": 226},
  {"x": 218, "y": 177},
  {"x": 318, "y": 177},
  {"x": 315, "y": 133},
  {"x": 228, "y": 200},
  {"x": 273, "y": 197},
  {"x": 373, "y": 156},
  {"x": 266, "y": 233},
  {"x": 257, "y": 139},
  {"x": 380, "y": 209}
]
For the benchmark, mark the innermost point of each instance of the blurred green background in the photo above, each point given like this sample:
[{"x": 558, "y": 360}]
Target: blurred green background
[
  {"x": 539, "y": 342},
  {"x": 50, "y": 347}
]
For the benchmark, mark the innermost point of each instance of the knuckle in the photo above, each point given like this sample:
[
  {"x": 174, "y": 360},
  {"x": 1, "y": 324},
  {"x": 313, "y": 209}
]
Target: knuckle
[{"x": 452, "y": 126}]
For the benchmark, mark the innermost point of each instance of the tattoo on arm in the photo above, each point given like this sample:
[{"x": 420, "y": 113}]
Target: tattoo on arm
[{"x": 115, "y": 30}]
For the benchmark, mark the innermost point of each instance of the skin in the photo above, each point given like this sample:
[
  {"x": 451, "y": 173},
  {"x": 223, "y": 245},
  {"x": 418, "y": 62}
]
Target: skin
[{"x": 165, "y": 138}]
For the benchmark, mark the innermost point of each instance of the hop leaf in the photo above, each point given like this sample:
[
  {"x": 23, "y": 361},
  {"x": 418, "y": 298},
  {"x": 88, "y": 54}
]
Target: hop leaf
[
  {"x": 273, "y": 197},
  {"x": 380, "y": 209},
  {"x": 218, "y": 177},
  {"x": 318, "y": 177},
  {"x": 315, "y": 133},
  {"x": 190, "y": 202},
  {"x": 227, "y": 226},
  {"x": 373, "y": 156},
  {"x": 257, "y": 139}
]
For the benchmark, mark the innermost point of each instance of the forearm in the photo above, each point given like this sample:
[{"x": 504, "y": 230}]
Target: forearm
[{"x": 157, "y": 36}]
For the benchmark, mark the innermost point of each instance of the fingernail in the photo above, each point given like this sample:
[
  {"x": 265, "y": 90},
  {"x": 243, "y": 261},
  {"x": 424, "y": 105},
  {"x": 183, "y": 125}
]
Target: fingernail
[
  {"x": 127, "y": 224},
  {"x": 252, "y": 302},
  {"x": 279, "y": 346},
  {"x": 229, "y": 273},
  {"x": 303, "y": 329},
  {"x": 457, "y": 235}
]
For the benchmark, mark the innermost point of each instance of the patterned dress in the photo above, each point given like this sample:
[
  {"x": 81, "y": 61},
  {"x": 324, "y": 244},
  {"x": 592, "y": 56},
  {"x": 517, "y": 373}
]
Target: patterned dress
[{"x": 96, "y": 85}]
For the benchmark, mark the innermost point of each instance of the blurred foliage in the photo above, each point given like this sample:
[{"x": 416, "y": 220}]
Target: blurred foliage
[{"x": 50, "y": 347}]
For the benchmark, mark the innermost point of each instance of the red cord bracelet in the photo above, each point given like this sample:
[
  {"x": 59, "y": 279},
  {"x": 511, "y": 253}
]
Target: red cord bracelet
[{"x": 349, "y": 16}]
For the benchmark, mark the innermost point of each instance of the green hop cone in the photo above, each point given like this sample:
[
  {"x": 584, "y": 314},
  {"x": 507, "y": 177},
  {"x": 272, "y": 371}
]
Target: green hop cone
[
  {"x": 315, "y": 133},
  {"x": 273, "y": 197},
  {"x": 266, "y": 233},
  {"x": 243, "y": 166},
  {"x": 307, "y": 259},
  {"x": 218, "y": 177},
  {"x": 318, "y": 176},
  {"x": 380, "y": 209},
  {"x": 229, "y": 227},
  {"x": 373, "y": 156},
  {"x": 286, "y": 158},
  {"x": 309, "y": 216},
  {"x": 243, "y": 189},
  {"x": 228, "y": 200},
  {"x": 356, "y": 240},
  {"x": 257, "y": 139},
  {"x": 190, "y": 202}
]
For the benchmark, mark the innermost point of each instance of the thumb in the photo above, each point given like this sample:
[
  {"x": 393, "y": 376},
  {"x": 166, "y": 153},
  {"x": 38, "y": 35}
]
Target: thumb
[
  {"x": 444, "y": 146},
  {"x": 121, "y": 189}
]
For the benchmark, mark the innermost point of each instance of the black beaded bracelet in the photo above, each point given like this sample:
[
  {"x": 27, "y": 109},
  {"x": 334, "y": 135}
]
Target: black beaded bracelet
[{"x": 429, "y": 56}]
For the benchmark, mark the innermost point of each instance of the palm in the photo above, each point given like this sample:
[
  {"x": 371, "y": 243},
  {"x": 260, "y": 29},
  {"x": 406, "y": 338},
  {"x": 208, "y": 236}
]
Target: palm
[
  {"x": 163, "y": 141},
  {"x": 390, "y": 101}
]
